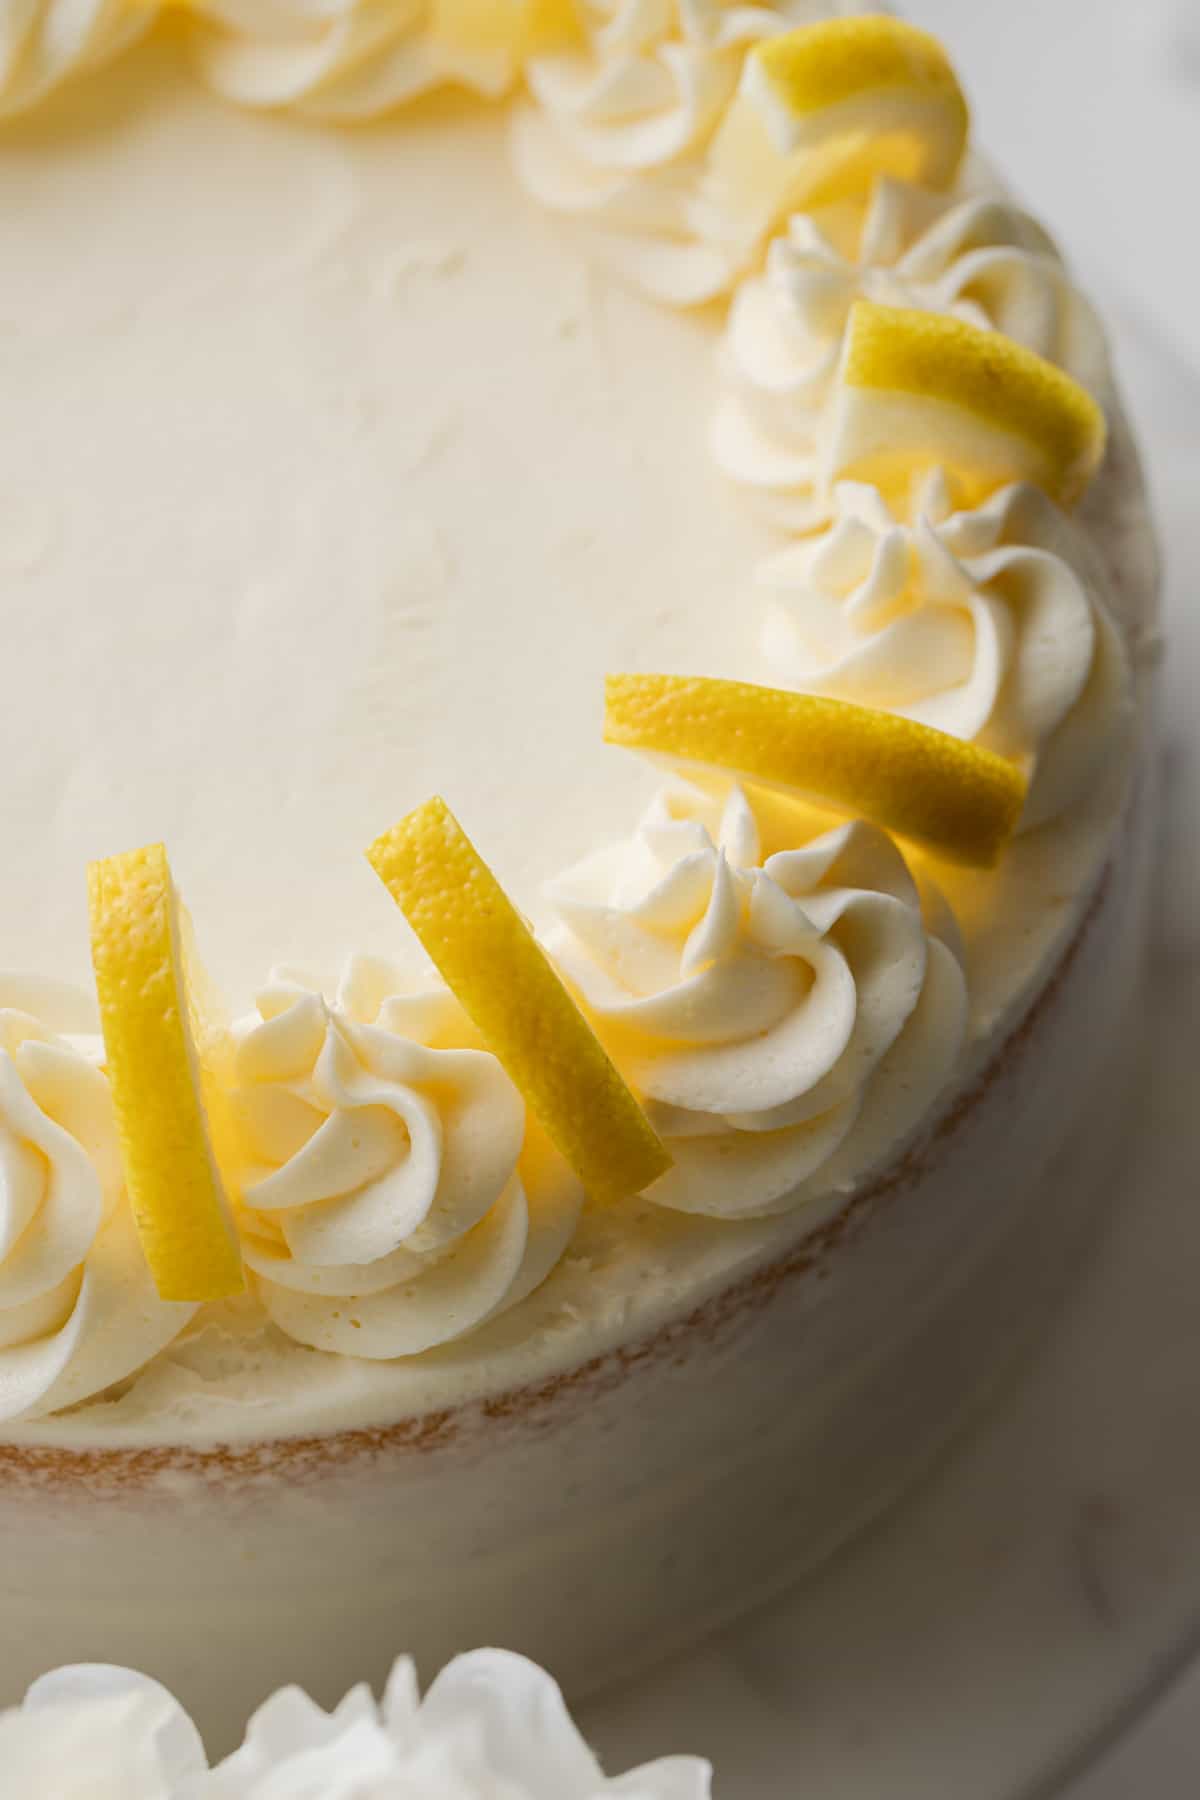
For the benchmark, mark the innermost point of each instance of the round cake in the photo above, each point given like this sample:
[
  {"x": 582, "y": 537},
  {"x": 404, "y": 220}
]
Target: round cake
[{"x": 560, "y": 1235}]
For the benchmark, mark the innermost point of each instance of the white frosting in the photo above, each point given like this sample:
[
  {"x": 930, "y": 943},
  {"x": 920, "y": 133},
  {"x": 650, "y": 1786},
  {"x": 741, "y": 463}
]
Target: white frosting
[
  {"x": 334, "y": 59},
  {"x": 616, "y": 134},
  {"x": 43, "y": 42},
  {"x": 386, "y": 1202},
  {"x": 78, "y": 1310},
  {"x": 650, "y": 89},
  {"x": 981, "y": 259},
  {"x": 91, "y": 1732},
  {"x": 753, "y": 1001},
  {"x": 493, "y": 1726},
  {"x": 339, "y": 59},
  {"x": 994, "y": 625}
]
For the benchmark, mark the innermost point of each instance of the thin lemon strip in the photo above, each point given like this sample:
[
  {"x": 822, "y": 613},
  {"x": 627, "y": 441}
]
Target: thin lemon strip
[
  {"x": 491, "y": 961},
  {"x": 520, "y": 28},
  {"x": 823, "y": 110},
  {"x": 917, "y": 387},
  {"x": 959, "y": 801},
  {"x": 155, "y": 1072}
]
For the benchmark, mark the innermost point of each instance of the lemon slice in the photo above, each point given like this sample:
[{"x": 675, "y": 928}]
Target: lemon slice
[
  {"x": 957, "y": 800},
  {"x": 916, "y": 389},
  {"x": 159, "y": 1051},
  {"x": 513, "y": 28},
  {"x": 502, "y": 978},
  {"x": 823, "y": 110}
]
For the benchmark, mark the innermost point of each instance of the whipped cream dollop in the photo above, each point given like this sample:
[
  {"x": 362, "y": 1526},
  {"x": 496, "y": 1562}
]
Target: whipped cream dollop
[
  {"x": 46, "y": 42},
  {"x": 78, "y": 1308},
  {"x": 755, "y": 1001},
  {"x": 993, "y": 624},
  {"x": 94, "y": 1732},
  {"x": 394, "y": 1194},
  {"x": 334, "y": 59},
  {"x": 492, "y": 1726},
  {"x": 616, "y": 133},
  {"x": 980, "y": 259}
]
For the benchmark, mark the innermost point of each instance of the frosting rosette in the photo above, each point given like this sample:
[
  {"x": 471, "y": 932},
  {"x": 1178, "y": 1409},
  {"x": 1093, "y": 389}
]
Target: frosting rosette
[
  {"x": 616, "y": 133},
  {"x": 394, "y": 1194},
  {"x": 492, "y": 1726},
  {"x": 993, "y": 625},
  {"x": 981, "y": 259},
  {"x": 46, "y": 42},
  {"x": 759, "y": 1002},
  {"x": 334, "y": 59},
  {"x": 78, "y": 1309},
  {"x": 95, "y": 1732}
]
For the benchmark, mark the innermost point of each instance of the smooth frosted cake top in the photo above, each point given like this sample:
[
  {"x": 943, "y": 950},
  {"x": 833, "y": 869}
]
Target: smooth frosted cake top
[{"x": 338, "y": 472}]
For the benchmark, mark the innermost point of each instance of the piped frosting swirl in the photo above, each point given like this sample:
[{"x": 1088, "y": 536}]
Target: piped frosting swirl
[
  {"x": 981, "y": 259},
  {"x": 78, "y": 1310},
  {"x": 615, "y": 134},
  {"x": 393, "y": 1195},
  {"x": 492, "y": 1726},
  {"x": 45, "y": 42},
  {"x": 993, "y": 625},
  {"x": 340, "y": 60},
  {"x": 755, "y": 1000}
]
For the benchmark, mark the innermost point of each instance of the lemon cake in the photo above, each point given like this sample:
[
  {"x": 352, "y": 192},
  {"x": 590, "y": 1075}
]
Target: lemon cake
[{"x": 597, "y": 550}]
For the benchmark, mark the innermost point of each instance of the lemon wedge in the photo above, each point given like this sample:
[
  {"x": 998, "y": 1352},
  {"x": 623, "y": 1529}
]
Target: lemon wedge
[
  {"x": 958, "y": 801},
  {"x": 916, "y": 389},
  {"x": 160, "y": 1053},
  {"x": 823, "y": 110},
  {"x": 513, "y": 28},
  {"x": 503, "y": 980}
]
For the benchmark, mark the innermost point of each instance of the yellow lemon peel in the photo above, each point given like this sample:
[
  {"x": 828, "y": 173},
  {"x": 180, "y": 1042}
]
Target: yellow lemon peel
[
  {"x": 991, "y": 410},
  {"x": 834, "y": 60},
  {"x": 825, "y": 109},
  {"x": 520, "y": 28},
  {"x": 505, "y": 983},
  {"x": 959, "y": 801},
  {"x": 156, "y": 1051}
]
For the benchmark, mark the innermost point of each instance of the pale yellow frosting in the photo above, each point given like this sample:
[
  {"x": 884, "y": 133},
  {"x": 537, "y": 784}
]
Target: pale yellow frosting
[
  {"x": 386, "y": 1203},
  {"x": 995, "y": 625},
  {"x": 754, "y": 997},
  {"x": 78, "y": 1310},
  {"x": 974, "y": 255}
]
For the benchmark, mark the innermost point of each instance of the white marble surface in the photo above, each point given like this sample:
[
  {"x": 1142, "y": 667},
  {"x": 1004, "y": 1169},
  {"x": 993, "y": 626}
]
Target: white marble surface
[{"x": 1011, "y": 1632}]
